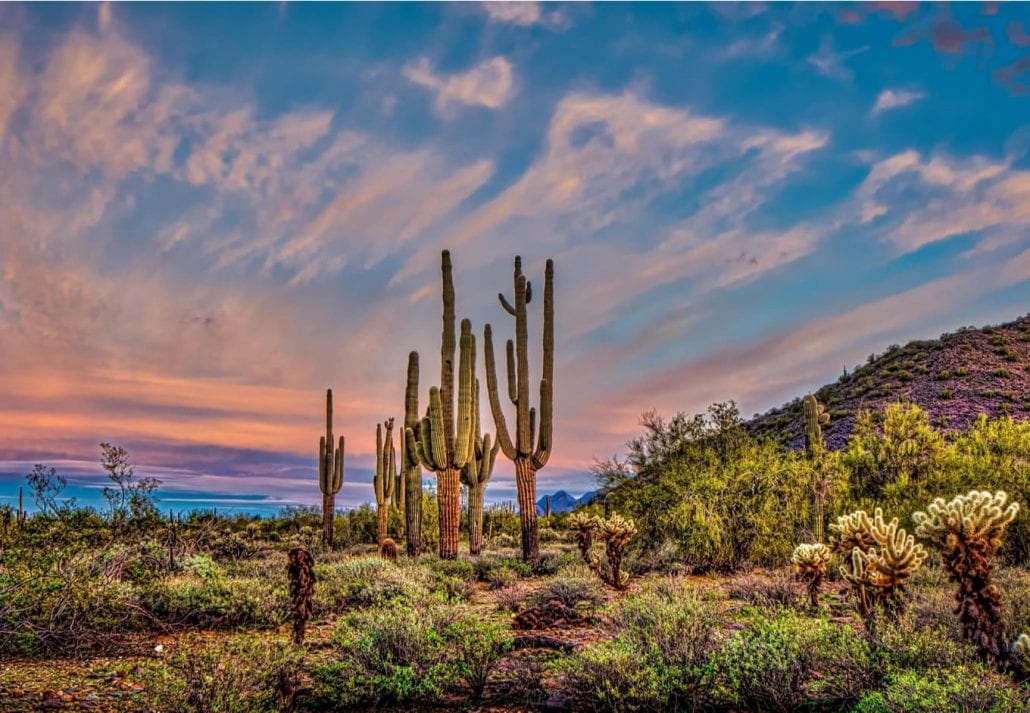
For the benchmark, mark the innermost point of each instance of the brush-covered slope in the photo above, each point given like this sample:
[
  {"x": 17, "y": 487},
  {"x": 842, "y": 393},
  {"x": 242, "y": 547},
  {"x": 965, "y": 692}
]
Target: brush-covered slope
[{"x": 954, "y": 378}]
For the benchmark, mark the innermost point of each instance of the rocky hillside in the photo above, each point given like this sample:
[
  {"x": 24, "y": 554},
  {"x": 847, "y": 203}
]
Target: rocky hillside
[{"x": 953, "y": 378}]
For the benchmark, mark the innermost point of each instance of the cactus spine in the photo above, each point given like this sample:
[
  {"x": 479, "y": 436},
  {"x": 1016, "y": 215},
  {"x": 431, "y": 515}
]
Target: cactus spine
[
  {"x": 527, "y": 459},
  {"x": 815, "y": 417},
  {"x": 445, "y": 438},
  {"x": 330, "y": 471},
  {"x": 385, "y": 479},
  {"x": 411, "y": 468},
  {"x": 968, "y": 533},
  {"x": 475, "y": 475}
]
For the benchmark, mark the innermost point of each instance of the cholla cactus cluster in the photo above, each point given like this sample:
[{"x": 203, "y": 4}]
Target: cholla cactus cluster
[
  {"x": 968, "y": 532},
  {"x": 878, "y": 558},
  {"x": 810, "y": 563},
  {"x": 616, "y": 531}
]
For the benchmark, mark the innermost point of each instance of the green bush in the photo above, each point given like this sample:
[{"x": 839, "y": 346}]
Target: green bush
[
  {"x": 965, "y": 688},
  {"x": 783, "y": 661},
  {"x": 407, "y": 654},
  {"x": 241, "y": 674},
  {"x": 608, "y": 678},
  {"x": 572, "y": 586}
]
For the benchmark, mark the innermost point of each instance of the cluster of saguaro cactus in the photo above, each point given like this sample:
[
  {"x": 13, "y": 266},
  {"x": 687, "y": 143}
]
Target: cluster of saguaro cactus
[
  {"x": 810, "y": 563},
  {"x": 385, "y": 479},
  {"x": 411, "y": 468},
  {"x": 330, "y": 471},
  {"x": 878, "y": 558},
  {"x": 530, "y": 449},
  {"x": 967, "y": 530},
  {"x": 300, "y": 571},
  {"x": 815, "y": 418},
  {"x": 476, "y": 474},
  {"x": 583, "y": 527},
  {"x": 445, "y": 441}
]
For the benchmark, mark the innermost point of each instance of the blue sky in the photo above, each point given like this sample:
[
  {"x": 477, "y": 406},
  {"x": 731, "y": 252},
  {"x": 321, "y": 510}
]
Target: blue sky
[{"x": 211, "y": 212}]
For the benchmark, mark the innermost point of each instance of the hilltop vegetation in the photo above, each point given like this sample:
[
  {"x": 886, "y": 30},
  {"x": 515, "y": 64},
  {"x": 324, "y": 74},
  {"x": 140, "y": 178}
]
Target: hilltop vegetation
[{"x": 954, "y": 379}]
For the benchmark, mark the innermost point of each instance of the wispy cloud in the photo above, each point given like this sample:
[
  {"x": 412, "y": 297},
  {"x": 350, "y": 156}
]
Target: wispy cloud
[
  {"x": 832, "y": 64},
  {"x": 524, "y": 13},
  {"x": 895, "y": 99},
  {"x": 490, "y": 84}
]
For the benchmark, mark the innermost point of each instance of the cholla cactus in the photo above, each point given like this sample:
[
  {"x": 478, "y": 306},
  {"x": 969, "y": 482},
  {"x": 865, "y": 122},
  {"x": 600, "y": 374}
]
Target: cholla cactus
[
  {"x": 881, "y": 572},
  {"x": 968, "y": 532},
  {"x": 810, "y": 563},
  {"x": 388, "y": 550},
  {"x": 616, "y": 532},
  {"x": 1021, "y": 656},
  {"x": 300, "y": 571},
  {"x": 853, "y": 531},
  {"x": 583, "y": 526}
]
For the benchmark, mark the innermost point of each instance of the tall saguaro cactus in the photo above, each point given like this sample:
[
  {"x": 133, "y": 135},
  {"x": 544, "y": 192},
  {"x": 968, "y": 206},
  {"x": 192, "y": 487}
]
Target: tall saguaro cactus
[
  {"x": 815, "y": 417},
  {"x": 411, "y": 468},
  {"x": 475, "y": 475},
  {"x": 445, "y": 438},
  {"x": 330, "y": 471},
  {"x": 530, "y": 449},
  {"x": 385, "y": 478}
]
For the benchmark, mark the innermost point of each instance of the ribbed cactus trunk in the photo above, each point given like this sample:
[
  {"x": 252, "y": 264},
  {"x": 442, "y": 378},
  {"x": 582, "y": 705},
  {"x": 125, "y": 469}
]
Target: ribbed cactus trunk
[
  {"x": 530, "y": 449},
  {"x": 448, "y": 500},
  {"x": 525, "y": 483},
  {"x": 410, "y": 463},
  {"x": 385, "y": 478},
  {"x": 476, "y": 519}
]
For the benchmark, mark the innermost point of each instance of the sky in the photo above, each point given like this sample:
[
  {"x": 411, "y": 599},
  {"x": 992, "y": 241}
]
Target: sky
[{"x": 210, "y": 213}]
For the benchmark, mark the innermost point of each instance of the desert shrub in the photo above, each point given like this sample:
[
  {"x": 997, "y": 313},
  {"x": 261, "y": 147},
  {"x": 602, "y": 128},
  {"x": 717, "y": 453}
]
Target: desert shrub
[
  {"x": 366, "y": 582},
  {"x": 777, "y": 588},
  {"x": 61, "y": 602},
  {"x": 500, "y": 571},
  {"x": 510, "y": 598},
  {"x": 785, "y": 662},
  {"x": 213, "y": 603},
  {"x": 660, "y": 658},
  {"x": 905, "y": 645},
  {"x": 608, "y": 677},
  {"x": 240, "y": 674},
  {"x": 571, "y": 586},
  {"x": 965, "y": 688},
  {"x": 404, "y": 654}
]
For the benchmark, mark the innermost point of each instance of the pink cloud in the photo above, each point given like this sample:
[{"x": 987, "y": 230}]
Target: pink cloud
[
  {"x": 948, "y": 36},
  {"x": 1017, "y": 35}
]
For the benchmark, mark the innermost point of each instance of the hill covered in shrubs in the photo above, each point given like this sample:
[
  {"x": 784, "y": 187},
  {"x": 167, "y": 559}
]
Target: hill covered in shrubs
[{"x": 953, "y": 378}]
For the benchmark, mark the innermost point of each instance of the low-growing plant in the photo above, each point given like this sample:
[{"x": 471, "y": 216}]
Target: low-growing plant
[{"x": 239, "y": 674}]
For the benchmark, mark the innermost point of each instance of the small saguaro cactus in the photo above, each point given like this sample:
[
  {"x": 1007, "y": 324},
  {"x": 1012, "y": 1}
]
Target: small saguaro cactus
[
  {"x": 20, "y": 517},
  {"x": 475, "y": 475},
  {"x": 445, "y": 441},
  {"x": 385, "y": 479},
  {"x": 810, "y": 563},
  {"x": 815, "y": 417},
  {"x": 967, "y": 530},
  {"x": 300, "y": 570},
  {"x": 530, "y": 449},
  {"x": 330, "y": 471},
  {"x": 616, "y": 532},
  {"x": 411, "y": 468},
  {"x": 584, "y": 526}
]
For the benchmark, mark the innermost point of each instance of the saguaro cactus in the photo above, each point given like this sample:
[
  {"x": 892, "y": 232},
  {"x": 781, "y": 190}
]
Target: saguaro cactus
[
  {"x": 967, "y": 530},
  {"x": 815, "y": 417},
  {"x": 445, "y": 438},
  {"x": 810, "y": 562},
  {"x": 411, "y": 468},
  {"x": 529, "y": 450},
  {"x": 330, "y": 471},
  {"x": 475, "y": 475},
  {"x": 385, "y": 479},
  {"x": 300, "y": 570}
]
